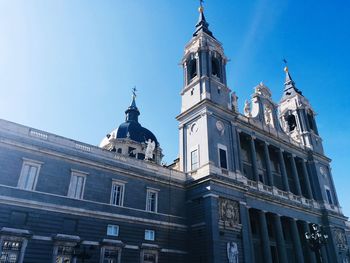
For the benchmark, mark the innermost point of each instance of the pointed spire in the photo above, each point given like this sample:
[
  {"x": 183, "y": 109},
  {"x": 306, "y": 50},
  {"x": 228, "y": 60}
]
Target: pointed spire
[
  {"x": 132, "y": 112},
  {"x": 289, "y": 85},
  {"x": 202, "y": 24}
]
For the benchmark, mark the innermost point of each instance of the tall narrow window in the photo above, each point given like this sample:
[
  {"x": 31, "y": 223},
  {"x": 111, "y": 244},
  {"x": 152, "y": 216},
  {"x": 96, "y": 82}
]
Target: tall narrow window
[
  {"x": 29, "y": 174},
  {"x": 77, "y": 184},
  {"x": 291, "y": 121},
  {"x": 194, "y": 159},
  {"x": 191, "y": 68},
  {"x": 152, "y": 200},
  {"x": 329, "y": 196},
  {"x": 223, "y": 157},
  {"x": 117, "y": 194},
  {"x": 215, "y": 67}
]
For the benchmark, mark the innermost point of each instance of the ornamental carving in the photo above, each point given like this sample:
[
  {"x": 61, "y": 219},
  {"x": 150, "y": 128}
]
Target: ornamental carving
[
  {"x": 229, "y": 213},
  {"x": 340, "y": 239}
]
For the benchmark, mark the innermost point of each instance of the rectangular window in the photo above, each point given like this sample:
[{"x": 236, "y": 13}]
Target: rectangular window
[
  {"x": 149, "y": 256},
  {"x": 29, "y": 174},
  {"x": 152, "y": 200},
  {"x": 76, "y": 186},
  {"x": 113, "y": 230},
  {"x": 194, "y": 159},
  {"x": 10, "y": 251},
  {"x": 117, "y": 194},
  {"x": 149, "y": 235},
  {"x": 111, "y": 255},
  {"x": 329, "y": 196},
  {"x": 223, "y": 158}
]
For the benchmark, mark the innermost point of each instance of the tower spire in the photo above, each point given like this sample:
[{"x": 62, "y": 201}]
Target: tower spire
[
  {"x": 132, "y": 112},
  {"x": 289, "y": 85},
  {"x": 202, "y": 25}
]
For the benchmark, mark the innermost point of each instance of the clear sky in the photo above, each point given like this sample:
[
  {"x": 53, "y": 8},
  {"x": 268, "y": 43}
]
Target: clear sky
[{"x": 68, "y": 66}]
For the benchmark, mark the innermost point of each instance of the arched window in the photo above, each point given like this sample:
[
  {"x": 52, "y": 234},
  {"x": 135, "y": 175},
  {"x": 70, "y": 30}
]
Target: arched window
[
  {"x": 310, "y": 118},
  {"x": 191, "y": 69},
  {"x": 215, "y": 67},
  {"x": 291, "y": 121}
]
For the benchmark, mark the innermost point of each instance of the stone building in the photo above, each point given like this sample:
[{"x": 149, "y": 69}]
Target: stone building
[{"x": 245, "y": 188}]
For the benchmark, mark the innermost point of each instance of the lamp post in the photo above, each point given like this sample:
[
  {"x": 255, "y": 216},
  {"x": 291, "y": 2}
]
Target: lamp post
[{"x": 316, "y": 239}]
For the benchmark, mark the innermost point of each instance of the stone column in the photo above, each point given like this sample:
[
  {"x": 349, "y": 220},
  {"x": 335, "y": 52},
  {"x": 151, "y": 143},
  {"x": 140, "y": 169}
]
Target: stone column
[
  {"x": 283, "y": 171},
  {"x": 265, "y": 242},
  {"x": 311, "y": 257},
  {"x": 281, "y": 246},
  {"x": 307, "y": 179},
  {"x": 240, "y": 163},
  {"x": 296, "y": 240},
  {"x": 268, "y": 163},
  {"x": 295, "y": 174},
  {"x": 248, "y": 247},
  {"x": 253, "y": 154}
]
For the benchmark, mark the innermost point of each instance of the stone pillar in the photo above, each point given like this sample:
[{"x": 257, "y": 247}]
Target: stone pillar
[
  {"x": 268, "y": 163},
  {"x": 248, "y": 247},
  {"x": 307, "y": 179},
  {"x": 239, "y": 155},
  {"x": 295, "y": 174},
  {"x": 324, "y": 254},
  {"x": 253, "y": 154},
  {"x": 212, "y": 241},
  {"x": 296, "y": 240},
  {"x": 311, "y": 257},
  {"x": 281, "y": 246},
  {"x": 283, "y": 171},
  {"x": 265, "y": 242}
]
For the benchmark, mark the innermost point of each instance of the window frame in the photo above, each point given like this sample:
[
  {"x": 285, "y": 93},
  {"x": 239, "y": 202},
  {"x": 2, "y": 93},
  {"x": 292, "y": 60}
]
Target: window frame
[
  {"x": 121, "y": 201},
  {"x": 14, "y": 238},
  {"x": 224, "y": 148},
  {"x": 153, "y": 234},
  {"x": 23, "y": 178},
  {"x": 329, "y": 196},
  {"x": 109, "y": 226},
  {"x": 76, "y": 173},
  {"x": 148, "y": 192},
  {"x": 148, "y": 251},
  {"x": 194, "y": 149},
  {"x": 109, "y": 247}
]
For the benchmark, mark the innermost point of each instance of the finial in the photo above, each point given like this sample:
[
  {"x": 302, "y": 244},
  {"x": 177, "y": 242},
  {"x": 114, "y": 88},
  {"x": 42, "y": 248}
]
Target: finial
[
  {"x": 286, "y": 67},
  {"x": 134, "y": 92},
  {"x": 201, "y": 8}
]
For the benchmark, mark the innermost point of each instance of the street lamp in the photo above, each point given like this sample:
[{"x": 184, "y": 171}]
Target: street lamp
[{"x": 316, "y": 239}]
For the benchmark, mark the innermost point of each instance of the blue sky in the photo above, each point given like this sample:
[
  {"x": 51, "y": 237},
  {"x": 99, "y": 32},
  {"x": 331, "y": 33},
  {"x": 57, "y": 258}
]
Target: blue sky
[{"x": 68, "y": 67}]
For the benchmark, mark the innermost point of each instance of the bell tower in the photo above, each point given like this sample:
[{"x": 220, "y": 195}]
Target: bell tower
[
  {"x": 204, "y": 65},
  {"x": 298, "y": 117},
  {"x": 205, "y": 121}
]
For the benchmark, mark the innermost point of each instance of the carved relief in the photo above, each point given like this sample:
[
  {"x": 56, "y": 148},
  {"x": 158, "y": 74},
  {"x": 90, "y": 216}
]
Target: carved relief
[
  {"x": 340, "y": 239},
  {"x": 220, "y": 126},
  {"x": 229, "y": 213},
  {"x": 232, "y": 252}
]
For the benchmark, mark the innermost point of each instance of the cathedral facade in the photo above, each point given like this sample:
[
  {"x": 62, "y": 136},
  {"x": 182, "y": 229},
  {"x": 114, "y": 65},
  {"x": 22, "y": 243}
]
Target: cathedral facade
[{"x": 251, "y": 187}]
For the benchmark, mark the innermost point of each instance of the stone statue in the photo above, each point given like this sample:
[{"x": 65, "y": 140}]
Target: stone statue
[
  {"x": 234, "y": 101},
  {"x": 267, "y": 114},
  {"x": 247, "y": 109},
  {"x": 232, "y": 252},
  {"x": 151, "y": 145}
]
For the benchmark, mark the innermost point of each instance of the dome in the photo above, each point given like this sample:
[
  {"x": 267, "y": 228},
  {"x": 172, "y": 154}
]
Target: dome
[{"x": 134, "y": 131}]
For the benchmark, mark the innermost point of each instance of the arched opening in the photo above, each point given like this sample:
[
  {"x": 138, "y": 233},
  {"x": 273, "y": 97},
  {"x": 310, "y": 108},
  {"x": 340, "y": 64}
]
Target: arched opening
[
  {"x": 215, "y": 67},
  {"x": 191, "y": 69},
  {"x": 291, "y": 121}
]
